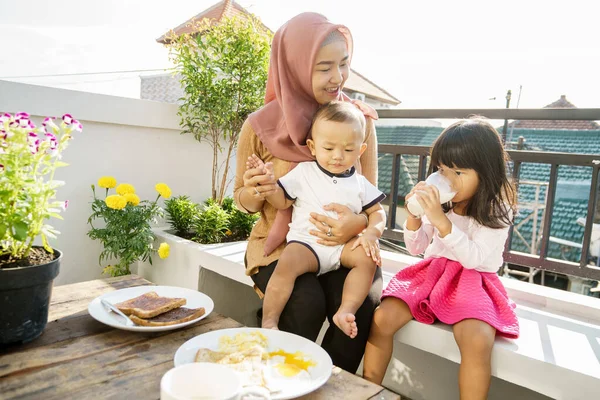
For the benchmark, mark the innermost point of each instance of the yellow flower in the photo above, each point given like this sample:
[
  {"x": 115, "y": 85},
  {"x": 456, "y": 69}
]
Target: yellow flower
[
  {"x": 107, "y": 182},
  {"x": 125, "y": 188},
  {"x": 163, "y": 190},
  {"x": 163, "y": 250},
  {"x": 116, "y": 202},
  {"x": 132, "y": 198},
  {"x": 228, "y": 232}
]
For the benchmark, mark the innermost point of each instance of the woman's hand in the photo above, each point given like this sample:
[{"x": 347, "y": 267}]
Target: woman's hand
[
  {"x": 333, "y": 232},
  {"x": 370, "y": 244},
  {"x": 259, "y": 179}
]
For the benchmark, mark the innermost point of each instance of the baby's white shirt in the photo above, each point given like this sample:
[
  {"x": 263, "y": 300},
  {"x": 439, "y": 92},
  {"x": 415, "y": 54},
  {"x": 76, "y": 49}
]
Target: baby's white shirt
[{"x": 313, "y": 187}]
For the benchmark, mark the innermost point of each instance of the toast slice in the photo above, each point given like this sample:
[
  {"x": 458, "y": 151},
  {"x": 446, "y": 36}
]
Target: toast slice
[
  {"x": 149, "y": 305},
  {"x": 175, "y": 316}
]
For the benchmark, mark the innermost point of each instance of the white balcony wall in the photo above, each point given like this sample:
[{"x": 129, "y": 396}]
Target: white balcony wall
[{"x": 136, "y": 141}]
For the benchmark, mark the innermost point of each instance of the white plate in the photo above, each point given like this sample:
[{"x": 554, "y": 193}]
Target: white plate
[
  {"x": 194, "y": 299},
  {"x": 288, "y": 342}
]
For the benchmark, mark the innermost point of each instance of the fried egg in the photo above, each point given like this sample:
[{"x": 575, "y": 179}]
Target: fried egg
[{"x": 247, "y": 354}]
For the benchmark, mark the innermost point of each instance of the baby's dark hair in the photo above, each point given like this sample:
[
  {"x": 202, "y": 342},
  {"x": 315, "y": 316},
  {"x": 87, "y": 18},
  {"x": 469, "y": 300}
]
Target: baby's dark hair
[
  {"x": 474, "y": 144},
  {"x": 340, "y": 111}
]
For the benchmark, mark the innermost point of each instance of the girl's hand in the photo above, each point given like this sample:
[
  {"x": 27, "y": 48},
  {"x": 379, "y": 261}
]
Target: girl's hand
[
  {"x": 419, "y": 186},
  {"x": 370, "y": 244},
  {"x": 341, "y": 230},
  {"x": 428, "y": 197},
  {"x": 259, "y": 179}
]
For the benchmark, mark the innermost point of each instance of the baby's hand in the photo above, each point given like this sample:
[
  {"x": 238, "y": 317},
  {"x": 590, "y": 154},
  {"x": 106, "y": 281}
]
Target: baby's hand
[
  {"x": 370, "y": 244},
  {"x": 254, "y": 162}
]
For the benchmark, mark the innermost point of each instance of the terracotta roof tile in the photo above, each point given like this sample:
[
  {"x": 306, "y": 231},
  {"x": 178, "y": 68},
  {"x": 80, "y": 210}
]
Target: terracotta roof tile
[{"x": 223, "y": 9}]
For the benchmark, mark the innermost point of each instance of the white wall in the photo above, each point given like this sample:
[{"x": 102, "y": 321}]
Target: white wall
[{"x": 136, "y": 141}]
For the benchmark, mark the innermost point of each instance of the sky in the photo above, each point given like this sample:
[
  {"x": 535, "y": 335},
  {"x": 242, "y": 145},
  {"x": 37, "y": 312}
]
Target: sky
[{"x": 428, "y": 54}]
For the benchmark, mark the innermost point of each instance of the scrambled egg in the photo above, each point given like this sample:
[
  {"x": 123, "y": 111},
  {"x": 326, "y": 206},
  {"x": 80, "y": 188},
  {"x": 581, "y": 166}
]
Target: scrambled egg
[{"x": 247, "y": 354}]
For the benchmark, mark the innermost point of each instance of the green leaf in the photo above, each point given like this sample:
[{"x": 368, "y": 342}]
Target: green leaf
[{"x": 20, "y": 232}]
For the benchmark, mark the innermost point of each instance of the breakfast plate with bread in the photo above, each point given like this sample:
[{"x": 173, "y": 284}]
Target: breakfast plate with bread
[
  {"x": 286, "y": 365},
  {"x": 151, "y": 308}
]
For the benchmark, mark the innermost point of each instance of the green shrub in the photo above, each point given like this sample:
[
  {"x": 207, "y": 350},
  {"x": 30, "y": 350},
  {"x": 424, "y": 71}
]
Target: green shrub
[
  {"x": 181, "y": 214},
  {"x": 212, "y": 225},
  {"x": 240, "y": 224}
]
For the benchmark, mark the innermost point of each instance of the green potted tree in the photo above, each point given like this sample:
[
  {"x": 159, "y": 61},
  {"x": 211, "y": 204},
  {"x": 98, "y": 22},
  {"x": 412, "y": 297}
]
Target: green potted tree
[
  {"x": 29, "y": 157},
  {"x": 223, "y": 69}
]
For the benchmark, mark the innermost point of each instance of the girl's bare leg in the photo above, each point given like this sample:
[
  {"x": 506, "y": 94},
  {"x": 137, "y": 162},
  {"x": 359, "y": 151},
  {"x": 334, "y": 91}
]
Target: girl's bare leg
[
  {"x": 475, "y": 340},
  {"x": 389, "y": 317}
]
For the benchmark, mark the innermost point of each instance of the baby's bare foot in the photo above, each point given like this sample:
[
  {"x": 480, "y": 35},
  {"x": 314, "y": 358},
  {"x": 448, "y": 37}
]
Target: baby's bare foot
[{"x": 347, "y": 323}]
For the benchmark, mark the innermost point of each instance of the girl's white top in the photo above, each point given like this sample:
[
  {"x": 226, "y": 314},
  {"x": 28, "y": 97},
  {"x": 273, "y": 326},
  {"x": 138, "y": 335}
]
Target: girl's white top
[{"x": 471, "y": 244}]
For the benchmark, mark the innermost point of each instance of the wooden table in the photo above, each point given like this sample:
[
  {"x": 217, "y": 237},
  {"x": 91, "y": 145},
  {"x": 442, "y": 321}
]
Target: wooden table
[{"x": 79, "y": 358}]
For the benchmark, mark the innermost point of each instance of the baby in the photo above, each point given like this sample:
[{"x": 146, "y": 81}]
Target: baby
[{"x": 337, "y": 142}]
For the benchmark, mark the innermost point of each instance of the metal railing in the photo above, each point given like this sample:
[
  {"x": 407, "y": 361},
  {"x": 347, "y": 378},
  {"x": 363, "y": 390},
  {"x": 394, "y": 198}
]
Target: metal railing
[{"x": 539, "y": 261}]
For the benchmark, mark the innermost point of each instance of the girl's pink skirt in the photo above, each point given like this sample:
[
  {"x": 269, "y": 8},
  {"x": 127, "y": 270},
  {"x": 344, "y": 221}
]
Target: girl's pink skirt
[{"x": 438, "y": 288}]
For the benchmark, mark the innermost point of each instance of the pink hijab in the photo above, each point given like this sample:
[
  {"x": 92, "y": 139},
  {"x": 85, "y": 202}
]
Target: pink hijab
[{"x": 283, "y": 123}]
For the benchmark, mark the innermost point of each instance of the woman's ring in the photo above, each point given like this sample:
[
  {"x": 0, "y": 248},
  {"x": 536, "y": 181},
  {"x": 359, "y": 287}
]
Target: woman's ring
[
  {"x": 256, "y": 191},
  {"x": 329, "y": 234}
]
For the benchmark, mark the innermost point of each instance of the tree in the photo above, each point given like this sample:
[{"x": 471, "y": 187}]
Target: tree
[{"x": 223, "y": 68}]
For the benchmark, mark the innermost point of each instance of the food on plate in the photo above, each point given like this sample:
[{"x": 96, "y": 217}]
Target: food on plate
[
  {"x": 149, "y": 305},
  {"x": 247, "y": 353},
  {"x": 172, "y": 317}
]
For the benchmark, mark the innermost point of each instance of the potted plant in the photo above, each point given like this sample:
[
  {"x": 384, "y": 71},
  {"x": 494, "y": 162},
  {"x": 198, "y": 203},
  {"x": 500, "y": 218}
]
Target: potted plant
[
  {"x": 211, "y": 223},
  {"x": 223, "y": 69},
  {"x": 126, "y": 234},
  {"x": 29, "y": 157}
]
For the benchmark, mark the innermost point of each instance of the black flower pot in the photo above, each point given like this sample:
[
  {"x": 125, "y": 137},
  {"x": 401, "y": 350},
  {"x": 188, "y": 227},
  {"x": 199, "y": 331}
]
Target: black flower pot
[{"x": 24, "y": 300}]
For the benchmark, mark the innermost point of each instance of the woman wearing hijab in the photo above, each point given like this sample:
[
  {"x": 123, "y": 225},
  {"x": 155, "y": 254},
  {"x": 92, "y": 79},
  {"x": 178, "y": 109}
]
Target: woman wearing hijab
[{"x": 310, "y": 62}]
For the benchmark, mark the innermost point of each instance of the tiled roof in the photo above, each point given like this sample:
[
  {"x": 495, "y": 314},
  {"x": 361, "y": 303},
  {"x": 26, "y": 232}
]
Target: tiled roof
[
  {"x": 403, "y": 135},
  {"x": 557, "y": 124},
  {"x": 166, "y": 88},
  {"x": 566, "y": 210},
  {"x": 358, "y": 83},
  {"x": 223, "y": 9},
  {"x": 564, "y": 226}
]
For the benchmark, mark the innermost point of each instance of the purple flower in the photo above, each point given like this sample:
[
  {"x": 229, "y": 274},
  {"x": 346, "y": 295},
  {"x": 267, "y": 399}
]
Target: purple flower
[
  {"x": 34, "y": 142},
  {"x": 72, "y": 122},
  {"x": 5, "y": 117},
  {"x": 50, "y": 138},
  {"x": 23, "y": 120},
  {"x": 65, "y": 205},
  {"x": 77, "y": 125},
  {"x": 49, "y": 125}
]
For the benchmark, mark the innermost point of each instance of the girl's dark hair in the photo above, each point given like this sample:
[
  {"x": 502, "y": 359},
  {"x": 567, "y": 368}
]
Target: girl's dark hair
[{"x": 474, "y": 144}]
